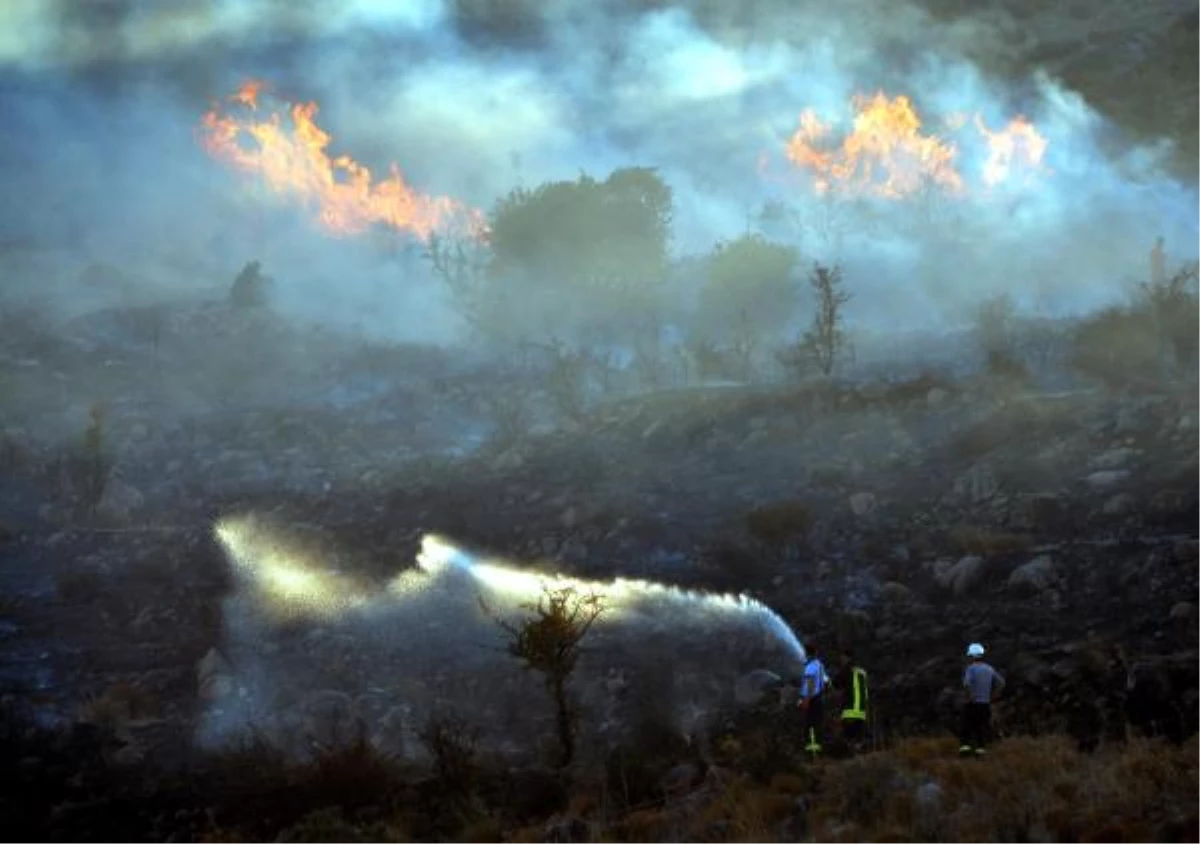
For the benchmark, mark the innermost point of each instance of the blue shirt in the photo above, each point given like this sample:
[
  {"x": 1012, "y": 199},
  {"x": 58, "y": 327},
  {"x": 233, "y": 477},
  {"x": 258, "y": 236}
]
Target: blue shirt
[
  {"x": 814, "y": 678},
  {"x": 981, "y": 682}
]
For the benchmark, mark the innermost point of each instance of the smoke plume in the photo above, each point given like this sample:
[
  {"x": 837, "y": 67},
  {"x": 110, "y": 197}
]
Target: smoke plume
[{"x": 472, "y": 98}]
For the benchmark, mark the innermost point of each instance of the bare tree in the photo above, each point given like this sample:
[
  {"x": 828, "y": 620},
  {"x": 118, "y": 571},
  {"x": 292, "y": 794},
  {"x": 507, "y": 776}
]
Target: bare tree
[
  {"x": 1171, "y": 305},
  {"x": 825, "y": 339},
  {"x": 461, "y": 267},
  {"x": 549, "y": 642}
]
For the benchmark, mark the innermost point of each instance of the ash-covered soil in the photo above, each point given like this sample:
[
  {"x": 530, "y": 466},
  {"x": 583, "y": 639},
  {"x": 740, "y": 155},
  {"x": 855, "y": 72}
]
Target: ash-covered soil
[{"x": 902, "y": 517}]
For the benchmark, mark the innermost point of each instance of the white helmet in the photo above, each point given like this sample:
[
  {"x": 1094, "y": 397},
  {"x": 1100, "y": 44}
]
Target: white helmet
[{"x": 975, "y": 650}]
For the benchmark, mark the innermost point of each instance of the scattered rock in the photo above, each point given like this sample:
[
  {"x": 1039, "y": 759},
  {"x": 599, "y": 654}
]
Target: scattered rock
[
  {"x": 1119, "y": 505},
  {"x": 863, "y": 503},
  {"x": 1111, "y": 477},
  {"x": 509, "y": 460},
  {"x": 1037, "y": 575},
  {"x": 1114, "y": 458},
  {"x": 929, "y": 796},
  {"x": 977, "y": 485}
]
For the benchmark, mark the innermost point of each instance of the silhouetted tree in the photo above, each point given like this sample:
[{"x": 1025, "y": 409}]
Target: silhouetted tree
[
  {"x": 549, "y": 642},
  {"x": 825, "y": 339},
  {"x": 573, "y": 257},
  {"x": 251, "y": 289}
]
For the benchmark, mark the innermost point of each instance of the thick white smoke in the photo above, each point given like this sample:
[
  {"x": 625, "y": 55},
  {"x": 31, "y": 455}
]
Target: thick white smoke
[
  {"x": 316, "y": 658},
  {"x": 472, "y": 99}
]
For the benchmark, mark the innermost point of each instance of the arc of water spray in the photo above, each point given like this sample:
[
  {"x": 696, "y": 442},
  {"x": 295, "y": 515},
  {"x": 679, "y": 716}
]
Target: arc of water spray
[{"x": 622, "y": 595}]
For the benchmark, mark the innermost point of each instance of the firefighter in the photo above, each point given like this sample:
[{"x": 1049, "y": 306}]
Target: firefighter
[
  {"x": 981, "y": 685},
  {"x": 852, "y": 680},
  {"x": 812, "y": 701}
]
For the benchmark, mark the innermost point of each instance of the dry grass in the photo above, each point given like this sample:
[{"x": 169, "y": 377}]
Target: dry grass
[
  {"x": 1028, "y": 789},
  {"x": 117, "y": 705},
  {"x": 987, "y": 542}
]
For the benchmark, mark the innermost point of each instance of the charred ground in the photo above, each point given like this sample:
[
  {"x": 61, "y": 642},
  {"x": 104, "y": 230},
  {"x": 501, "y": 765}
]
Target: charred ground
[{"x": 899, "y": 516}]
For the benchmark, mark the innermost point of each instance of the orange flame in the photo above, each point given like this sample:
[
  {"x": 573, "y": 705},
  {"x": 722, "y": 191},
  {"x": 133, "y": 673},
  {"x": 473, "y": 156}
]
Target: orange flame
[
  {"x": 886, "y": 154},
  {"x": 292, "y": 159},
  {"x": 1018, "y": 147}
]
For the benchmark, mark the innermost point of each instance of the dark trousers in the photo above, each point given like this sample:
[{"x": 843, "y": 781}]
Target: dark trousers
[
  {"x": 976, "y": 724},
  {"x": 814, "y": 717},
  {"x": 853, "y": 729}
]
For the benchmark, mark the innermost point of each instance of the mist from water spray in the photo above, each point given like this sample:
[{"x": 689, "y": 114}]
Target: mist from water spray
[{"x": 318, "y": 652}]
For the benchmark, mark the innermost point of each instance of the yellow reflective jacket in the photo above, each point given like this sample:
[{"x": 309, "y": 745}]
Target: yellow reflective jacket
[{"x": 856, "y": 696}]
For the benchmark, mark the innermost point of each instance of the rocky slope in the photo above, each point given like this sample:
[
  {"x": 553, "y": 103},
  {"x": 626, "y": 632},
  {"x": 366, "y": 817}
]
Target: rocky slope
[{"x": 903, "y": 519}]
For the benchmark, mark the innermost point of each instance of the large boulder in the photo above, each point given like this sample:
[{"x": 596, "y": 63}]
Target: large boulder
[
  {"x": 214, "y": 677},
  {"x": 1037, "y": 575},
  {"x": 863, "y": 503},
  {"x": 962, "y": 577}
]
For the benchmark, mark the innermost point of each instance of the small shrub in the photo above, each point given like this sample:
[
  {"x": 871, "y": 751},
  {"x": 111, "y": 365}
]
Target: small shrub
[
  {"x": 481, "y": 828},
  {"x": 511, "y": 415},
  {"x": 76, "y": 585},
  {"x": 453, "y": 744},
  {"x": 331, "y": 824},
  {"x": 984, "y": 437},
  {"x": 117, "y": 705},
  {"x": 1116, "y": 347},
  {"x": 1004, "y": 364},
  {"x": 567, "y": 380},
  {"x": 353, "y": 776},
  {"x": 781, "y": 527},
  {"x": 862, "y": 788}
]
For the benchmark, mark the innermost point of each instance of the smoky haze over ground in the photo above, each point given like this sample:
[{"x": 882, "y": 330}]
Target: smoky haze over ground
[{"x": 472, "y": 99}]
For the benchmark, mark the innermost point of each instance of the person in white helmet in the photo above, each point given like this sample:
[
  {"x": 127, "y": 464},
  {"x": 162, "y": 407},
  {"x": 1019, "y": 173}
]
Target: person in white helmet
[{"x": 981, "y": 685}]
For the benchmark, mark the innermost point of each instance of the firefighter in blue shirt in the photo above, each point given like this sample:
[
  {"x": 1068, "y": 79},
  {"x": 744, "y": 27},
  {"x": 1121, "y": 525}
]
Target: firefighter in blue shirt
[{"x": 813, "y": 682}]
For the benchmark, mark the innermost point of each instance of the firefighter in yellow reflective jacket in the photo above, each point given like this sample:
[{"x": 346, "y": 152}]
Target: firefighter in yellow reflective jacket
[{"x": 852, "y": 681}]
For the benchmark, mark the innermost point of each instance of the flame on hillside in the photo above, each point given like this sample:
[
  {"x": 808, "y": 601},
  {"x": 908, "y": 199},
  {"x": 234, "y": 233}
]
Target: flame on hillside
[
  {"x": 284, "y": 146},
  {"x": 888, "y": 153}
]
